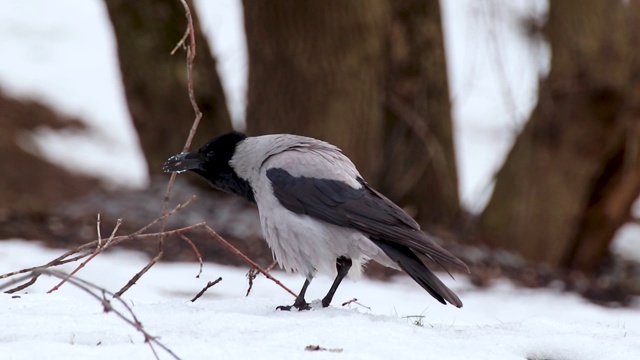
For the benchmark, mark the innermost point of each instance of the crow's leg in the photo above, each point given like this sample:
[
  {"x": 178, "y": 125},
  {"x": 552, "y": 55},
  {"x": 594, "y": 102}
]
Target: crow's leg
[
  {"x": 300, "y": 303},
  {"x": 343, "y": 264}
]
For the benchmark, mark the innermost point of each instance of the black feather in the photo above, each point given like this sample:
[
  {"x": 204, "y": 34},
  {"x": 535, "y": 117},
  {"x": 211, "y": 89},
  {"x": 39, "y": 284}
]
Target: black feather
[
  {"x": 411, "y": 264},
  {"x": 215, "y": 156},
  {"x": 371, "y": 213},
  {"x": 362, "y": 209}
]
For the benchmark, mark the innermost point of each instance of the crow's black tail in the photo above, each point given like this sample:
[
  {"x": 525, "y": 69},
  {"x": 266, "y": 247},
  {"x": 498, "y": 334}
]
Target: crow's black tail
[{"x": 412, "y": 265}]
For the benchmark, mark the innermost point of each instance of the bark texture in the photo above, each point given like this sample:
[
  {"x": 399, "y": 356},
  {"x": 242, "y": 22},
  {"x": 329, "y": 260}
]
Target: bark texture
[
  {"x": 419, "y": 159},
  {"x": 156, "y": 83},
  {"x": 572, "y": 175},
  {"x": 316, "y": 69}
]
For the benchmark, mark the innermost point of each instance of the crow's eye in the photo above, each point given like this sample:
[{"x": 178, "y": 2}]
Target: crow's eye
[{"x": 211, "y": 154}]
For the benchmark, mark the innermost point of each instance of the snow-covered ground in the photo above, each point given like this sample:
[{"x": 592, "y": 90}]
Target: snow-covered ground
[
  {"x": 500, "y": 323},
  {"x": 63, "y": 53}
]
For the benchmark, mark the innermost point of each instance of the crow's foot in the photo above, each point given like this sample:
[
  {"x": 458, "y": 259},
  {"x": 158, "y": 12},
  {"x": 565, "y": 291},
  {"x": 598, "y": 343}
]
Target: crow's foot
[{"x": 300, "y": 305}]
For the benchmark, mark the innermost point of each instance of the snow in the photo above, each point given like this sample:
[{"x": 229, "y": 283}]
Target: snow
[
  {"x": 503, "y": 322},
  {"x": 63, "y": 54},
  {"x": 223, "y": 22},
  {"x": 493, "y": 69}
]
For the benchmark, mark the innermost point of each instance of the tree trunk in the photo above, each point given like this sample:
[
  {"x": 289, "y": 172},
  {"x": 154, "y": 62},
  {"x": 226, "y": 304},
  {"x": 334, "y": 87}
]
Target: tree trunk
[
  {"x": 156, "y": 83},
  {"x": 572, "y": 175},
  {"x": 315, "y": 69},
  {"x": 419, "y": 159}
]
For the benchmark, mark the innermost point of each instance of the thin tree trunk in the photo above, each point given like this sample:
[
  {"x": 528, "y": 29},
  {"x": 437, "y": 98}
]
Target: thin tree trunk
[
  {"x": 315, "y": 69},
  {"x": 571, "y": 177},
  {"x": 419, "y": 162},
  {"x": 155, "y": 82}
]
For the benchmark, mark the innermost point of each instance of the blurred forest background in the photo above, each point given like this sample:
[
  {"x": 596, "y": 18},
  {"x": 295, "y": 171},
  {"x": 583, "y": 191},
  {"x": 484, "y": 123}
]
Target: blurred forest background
[{"x": 371, "y": 77}]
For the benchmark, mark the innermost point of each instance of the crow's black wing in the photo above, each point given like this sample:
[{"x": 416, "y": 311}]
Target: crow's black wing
[{"x": 362, "y": 209}]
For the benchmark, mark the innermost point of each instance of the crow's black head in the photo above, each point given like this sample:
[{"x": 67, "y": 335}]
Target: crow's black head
[{"x": 211, "y": 161}]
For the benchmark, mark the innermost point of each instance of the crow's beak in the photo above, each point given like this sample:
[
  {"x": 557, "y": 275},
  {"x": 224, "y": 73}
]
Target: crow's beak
[{"x": 183, "y": 162}]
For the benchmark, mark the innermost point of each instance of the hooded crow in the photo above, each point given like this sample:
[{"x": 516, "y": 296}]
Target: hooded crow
[{"x": 316, "y": 211}]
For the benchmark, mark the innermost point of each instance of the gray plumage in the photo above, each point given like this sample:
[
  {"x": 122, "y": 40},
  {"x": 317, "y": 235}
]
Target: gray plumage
[
  {"x": 316, "y": 210},
  {"x": 302, "y": 243}
]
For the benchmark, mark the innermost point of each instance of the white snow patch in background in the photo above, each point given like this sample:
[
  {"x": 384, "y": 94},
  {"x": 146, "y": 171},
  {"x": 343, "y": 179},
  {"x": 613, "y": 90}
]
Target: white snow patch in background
[
  {"x": 63, "y": 54},
  {"x": 223, "y": 22},
  {"x": 626, "y": 242},
  {"x": 502, "y": 322},
  {"x": 493, "y": 69}
]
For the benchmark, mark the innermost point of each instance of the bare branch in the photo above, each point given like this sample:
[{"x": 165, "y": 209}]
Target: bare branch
[
  {"x": 98, "y": 250},
  {"x": 209, "y": 284},
  {"x": 191, "y": 54},
  {"x": 138, "y": 275},
  {"x": 98, "y": 230},
  {"x": 34, "y": 277},
  {"x": 271, "y": 266},
  {"x": 162, "y": 234},
  {"x": 195, "y": 250},
  {"x": 116, "y": 240},
  {"x": 354, "y": 301},
  {"x": 181, "y": 42},
  {"x": 251, "y": 275},
  {"x": 62, "y": 259},
  {"x": 133, "y": 321},
  {"x": 246, "y": 259},
  {"x": 161, "y": 220},
  {"x": 166, "y": 215}
]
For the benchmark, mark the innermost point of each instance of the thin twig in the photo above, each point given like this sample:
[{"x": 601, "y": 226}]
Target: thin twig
[
  {"x": 195, "y": 250},
  {"x": 62, "y": 259},
  {"x": 139, "y": 274},
  {"x": 209, "y": 284},
  {"x": 14, "y": 281},
  {"x": 98, "y": 251},
  {"x": 271, "y": 266},
  {"x": 246, "y": 259},
  {"x": 98, "y": 231},
  {"x": 251, "y": 275},
  {"x": 166, "y": 215},
  {"x": 106, "y": 304},
  {"x": 34, "y": 277},
  {"x": 154, "y": 260},
  {"x": 158, "y": 256},
  {"x": 116, "y": 240},
  {"x": 181, "y": 42},
  {"x": 113, "y": 234},
  {"x": 191, "y": 54},
  {"x": 192, "y": 98},
  {"x": 40, "y": 267},
  {"x": 355, "y": 301}
]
